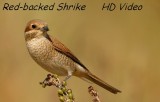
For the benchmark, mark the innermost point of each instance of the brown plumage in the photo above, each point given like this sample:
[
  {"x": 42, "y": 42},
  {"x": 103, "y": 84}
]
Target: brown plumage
[{"x": 55, "y": 57}]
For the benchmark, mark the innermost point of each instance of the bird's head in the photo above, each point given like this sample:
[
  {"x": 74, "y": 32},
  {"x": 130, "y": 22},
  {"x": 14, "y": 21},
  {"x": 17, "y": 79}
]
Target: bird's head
[{"x": 35, "y": 28}]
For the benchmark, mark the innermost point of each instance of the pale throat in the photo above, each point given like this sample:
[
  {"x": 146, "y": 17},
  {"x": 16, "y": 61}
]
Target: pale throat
[{"x": 32, "y": 34}]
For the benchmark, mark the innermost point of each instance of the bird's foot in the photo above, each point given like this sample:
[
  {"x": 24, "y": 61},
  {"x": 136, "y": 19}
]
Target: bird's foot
[{"x": 64, "y": 94}]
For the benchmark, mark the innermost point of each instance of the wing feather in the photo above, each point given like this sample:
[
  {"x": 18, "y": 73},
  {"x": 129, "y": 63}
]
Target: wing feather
[{"x": 64, "y": 50}]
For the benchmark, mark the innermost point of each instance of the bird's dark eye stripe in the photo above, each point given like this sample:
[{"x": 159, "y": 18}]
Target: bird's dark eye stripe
[{"x": 34, "y": 26}]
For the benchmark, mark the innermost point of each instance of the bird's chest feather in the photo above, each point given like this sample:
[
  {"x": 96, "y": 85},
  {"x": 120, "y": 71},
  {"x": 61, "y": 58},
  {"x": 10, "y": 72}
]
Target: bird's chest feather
[
  {"x": 43, "y": 52},
  {"x": 40, "y": 49}
]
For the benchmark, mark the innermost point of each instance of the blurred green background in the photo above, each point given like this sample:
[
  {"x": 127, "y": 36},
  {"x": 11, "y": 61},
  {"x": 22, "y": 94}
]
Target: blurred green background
[{"x": 121, "y": 47}]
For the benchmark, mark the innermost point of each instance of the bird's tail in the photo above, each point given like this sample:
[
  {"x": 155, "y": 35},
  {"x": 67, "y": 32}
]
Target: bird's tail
[{"x": 101, "y": 83}]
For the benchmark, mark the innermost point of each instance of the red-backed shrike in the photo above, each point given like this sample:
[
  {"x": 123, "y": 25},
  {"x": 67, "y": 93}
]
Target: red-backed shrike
[{"x": 55, "y": 57}]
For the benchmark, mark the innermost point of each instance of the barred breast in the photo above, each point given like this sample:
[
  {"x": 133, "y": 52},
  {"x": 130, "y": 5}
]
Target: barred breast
[
  {"x": 43, "y": 52},
  {"x": 40, "y": 49},
  {"x": 63, "y": 64}
]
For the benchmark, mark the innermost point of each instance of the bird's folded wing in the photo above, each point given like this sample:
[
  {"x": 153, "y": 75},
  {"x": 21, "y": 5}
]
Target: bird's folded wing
[{"x": 64, "y": 50}]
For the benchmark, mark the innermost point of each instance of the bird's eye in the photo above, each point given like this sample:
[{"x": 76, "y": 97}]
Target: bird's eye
[{"x": 34, "y": 26}]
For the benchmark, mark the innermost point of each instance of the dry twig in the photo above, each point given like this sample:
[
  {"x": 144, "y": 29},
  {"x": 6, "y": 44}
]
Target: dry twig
[
  {"x": 93, "y": 93},
  {"x": 65, "y": 95}
]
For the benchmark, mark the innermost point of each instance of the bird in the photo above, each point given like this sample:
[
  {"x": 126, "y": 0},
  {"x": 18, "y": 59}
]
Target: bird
[{"x": 55, "y": 57}]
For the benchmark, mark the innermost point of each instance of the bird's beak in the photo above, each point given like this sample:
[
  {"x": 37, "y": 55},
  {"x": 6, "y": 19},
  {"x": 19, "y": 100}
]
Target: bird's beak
[{"x": 45, "y": 28}]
